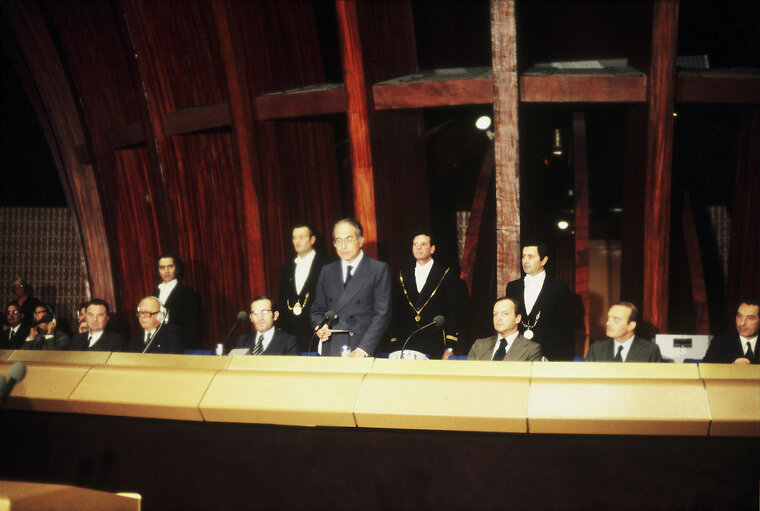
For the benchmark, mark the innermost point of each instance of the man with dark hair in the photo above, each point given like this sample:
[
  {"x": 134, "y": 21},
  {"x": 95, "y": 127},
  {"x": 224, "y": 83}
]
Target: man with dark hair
[
  {"x": 182, "y": 302},
  {"x": 14, "y": 332},
  {"x": 623, "y": 345},
  {"x": 267, "y": 340},
  {"x": 507, "y": 344},
  {"x": 358, "y": 289},
  {"x": 741, "y": 346},
  {"x": 155, "y": 335},
  {"x": 298, "y": 279},
  {"x": 97, "y": 338},
  {"x": 423, "y": 291},
  {"x": 44, "y": 334},
  {"x": 545, "y": 305}
]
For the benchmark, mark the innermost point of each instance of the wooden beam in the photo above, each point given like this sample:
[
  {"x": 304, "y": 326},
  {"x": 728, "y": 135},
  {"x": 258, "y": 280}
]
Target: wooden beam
[
  {"x": 716, "y": 86},
  {"x": 316, "y": 100},
  {"x": 582, "y": 270},
  {"x": 660, "y": 105},
  {"x": 506, "y": 149},
  {"x": 696, "y": 269},
  {"x": 591, "y": 88},
  {"x": 422, "y": 94},
  {"x": 121, "y": 137},
  {"x": 198, "y": 118},
  {"x": 359, "y": 112}
]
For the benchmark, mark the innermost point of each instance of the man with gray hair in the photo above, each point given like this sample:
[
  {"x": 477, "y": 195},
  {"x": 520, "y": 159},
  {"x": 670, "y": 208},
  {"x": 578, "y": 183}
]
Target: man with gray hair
[{"x": 156, "y": 335}]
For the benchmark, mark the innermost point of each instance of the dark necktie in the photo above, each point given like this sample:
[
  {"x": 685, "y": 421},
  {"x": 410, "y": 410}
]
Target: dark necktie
[
  {"x": 259, "y": 346},
  {"x": 619, "y": 356},
  {"x": 750, "y": 355},
  {"x": 348, "y": 275},
  {"x": 501, "y": 351},
  {"x": 147, "y": 338},
  {"x": 89, "y": 341}
]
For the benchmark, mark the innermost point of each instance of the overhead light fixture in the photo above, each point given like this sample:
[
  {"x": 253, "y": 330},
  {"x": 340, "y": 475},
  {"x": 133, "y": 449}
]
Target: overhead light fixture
[
  {"x": 557, "y": 149},
  {"x": 483, "y": 122},
  {"x": 562, "y": 225}
]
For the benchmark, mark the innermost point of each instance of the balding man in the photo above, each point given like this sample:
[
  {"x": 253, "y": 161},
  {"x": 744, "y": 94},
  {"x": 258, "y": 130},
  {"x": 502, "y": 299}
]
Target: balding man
[{"x": 156, "y": 336}]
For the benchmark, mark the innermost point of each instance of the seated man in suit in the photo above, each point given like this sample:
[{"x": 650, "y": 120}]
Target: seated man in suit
[
  {"x": 45, "y": 334},
  {"x": 623, "y": 346},
  {"x": 507, "y": 344},
  {"x": 14, "y": 332},
  {"x": 267, "y": 340},
  {"x": 156, "y": 336},
  {"x": 97, "y": 338},
  {"x": 739, "y": 347},
  {"x": 358, "y": 289}
]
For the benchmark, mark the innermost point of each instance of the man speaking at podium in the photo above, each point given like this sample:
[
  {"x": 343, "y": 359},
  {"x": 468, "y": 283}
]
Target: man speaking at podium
[{"x": 358, "y": 289}]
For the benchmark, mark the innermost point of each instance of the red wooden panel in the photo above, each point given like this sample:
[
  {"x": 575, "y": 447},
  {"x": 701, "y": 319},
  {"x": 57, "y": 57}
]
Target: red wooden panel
[
  {"x": 582, "y": 271},
  {"x": 583, "y": 89},
  {"x": 715, "y": 87},
  {"x": 696, "y": 270},
  {"x": 197, "y": 118},
  {"x": 475, "y": 91},
  {"x": 506, "y": 147},
  {"x": 660, "y": 101},
  {"x": 301, "y": 103}
]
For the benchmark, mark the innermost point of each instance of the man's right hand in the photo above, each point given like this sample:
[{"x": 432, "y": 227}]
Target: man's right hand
[{"x": 324, "y": 333}]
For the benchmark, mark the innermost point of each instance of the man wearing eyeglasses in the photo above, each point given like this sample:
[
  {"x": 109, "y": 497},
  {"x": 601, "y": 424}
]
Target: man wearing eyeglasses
[
  {"x": 358, "y": 289},
  {"x": 266, "y": 340},
  {"x": 155, "y": 336},
  {"x": 14, "y": 332},
  {"x": 97, "y": 338}
]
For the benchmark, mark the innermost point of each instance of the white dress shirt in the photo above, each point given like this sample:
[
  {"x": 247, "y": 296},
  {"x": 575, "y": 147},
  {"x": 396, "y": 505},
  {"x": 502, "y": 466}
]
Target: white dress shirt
[
  {"x": 303, "y": 265},
  {"x": 533, "y": 285},
  {"x": 268, "y": 335},
  {"x": 165, "y": 288},
  {"x": 510, "y": 339},
  {"x": 752, "y": 342},
  {"x": 626, "y": 347},
  {"x": 94, "y": 337},
  {"x": 421, "y": 272},
  {"x": 353, "y": 263}
]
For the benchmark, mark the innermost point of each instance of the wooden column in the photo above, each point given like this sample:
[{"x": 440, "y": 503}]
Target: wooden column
[
  {"x": 580, "y": 170},
  {"x": 359, "y": 111},
  {"x": 660, "y": 103},
  {"x": 505, "y": 103},
  {"x": 48, "y": 88},
  {"x": 241, "y": 109}
]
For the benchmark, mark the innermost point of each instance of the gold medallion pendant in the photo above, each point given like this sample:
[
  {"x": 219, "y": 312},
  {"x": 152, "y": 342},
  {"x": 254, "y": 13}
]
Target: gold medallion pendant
[
  {"x": 418, "y": 318},
  {"x": 528, "y": 334},
  {"x": 297, "y": 309}
]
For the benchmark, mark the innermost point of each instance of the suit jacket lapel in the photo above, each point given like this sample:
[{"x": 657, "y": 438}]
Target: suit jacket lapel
[
  {"x": 436, "y": 272},
  {"x": 358, "y": 279},
  {"x": 516, "y": 349},
  {"x": 410, "y": 284},
  {"x": 543, "y": 297}
]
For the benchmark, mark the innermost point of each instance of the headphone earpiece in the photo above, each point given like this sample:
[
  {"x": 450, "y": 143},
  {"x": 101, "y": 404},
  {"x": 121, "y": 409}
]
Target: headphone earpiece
[{"x": 163, "y": 314}]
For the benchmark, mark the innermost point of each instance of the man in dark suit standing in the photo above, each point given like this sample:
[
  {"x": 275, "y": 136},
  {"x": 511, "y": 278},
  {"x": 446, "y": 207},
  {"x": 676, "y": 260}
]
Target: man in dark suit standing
[
  {"x": 423, "y": 291},
  {"x": 623, "y": 345},
  {"x": 266, "y": 340},
  {"x": 739, "y": 347},
  {"x": 358, "y": 289},
  {"x": 14, "y": 332},
  {"x": 155, "y": 335},
  {"x": 508, "y": 344},
  {"x": 545, "y": 305},
  {"x": 298, "y": 281},
  {"x": 182, "y": 302},
  {"x": 97, "y": 338}
]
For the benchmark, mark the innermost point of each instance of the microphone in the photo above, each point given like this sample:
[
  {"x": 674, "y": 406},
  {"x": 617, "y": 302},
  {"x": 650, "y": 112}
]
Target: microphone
[
  {"x": 240, "y": 318},
  {"x": 329, "y": 316},
  {"x": 15, "y": 374},
  {"x": 437, "y": 321}
]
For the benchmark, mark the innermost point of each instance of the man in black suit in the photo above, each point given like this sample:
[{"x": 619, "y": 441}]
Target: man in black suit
[
  {"x": 298, "y": 280},
  {"x": 14, "y": 332},
  {"x": 267, "y": 340},
  {"x": 358, "y": 289},
  {"x": 423, "y": 291},
  {"x": 182, "y": 302},
  {"x": 623, "y": 345},
  {"x": 741, "y": 346},
  {"x": 97, "y": 338},
  {"x": 545, "y": 308},
  {"x": 155, "y": 335},
  {"x": 45, "y": 334}
]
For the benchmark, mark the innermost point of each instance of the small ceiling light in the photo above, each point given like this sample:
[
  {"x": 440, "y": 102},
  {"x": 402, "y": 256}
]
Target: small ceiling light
[
  {"x": 557, "y": 149},
  {"x": 483, "y": 122},
  {"x": 562, "y": 224}
]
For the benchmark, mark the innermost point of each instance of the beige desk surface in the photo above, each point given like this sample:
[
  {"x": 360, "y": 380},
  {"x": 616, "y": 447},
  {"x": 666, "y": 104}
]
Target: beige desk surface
[
  {"x": 734, "y": 394},
  {"x": 297, "y": 398},
  {"x": 23, "y": 496},
  {"x": 86, "y": 358},
  {"x": 4, "y": 354},
  {"x": 613, "y": 398},
  {"x": 297, "y": 363},
  {"x": 46, "y": 387},
  {"x": 168, "y": 360},
  {"x": 158, "y": 393}
]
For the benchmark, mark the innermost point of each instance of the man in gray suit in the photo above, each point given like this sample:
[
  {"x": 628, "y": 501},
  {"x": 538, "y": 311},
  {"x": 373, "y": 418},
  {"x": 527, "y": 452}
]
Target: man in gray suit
[
  {"x": 358, "y": 289},
  {"x": 623, "y": 345},
  {"x": 507, "y": 344}
]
